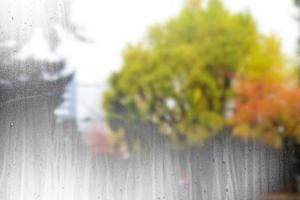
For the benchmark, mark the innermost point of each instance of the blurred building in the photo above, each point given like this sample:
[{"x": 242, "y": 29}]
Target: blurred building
[
  {"x": 89, "y": 105},
  {"x": 67, "y": 111},
  {"x": 31, "y": 78}
]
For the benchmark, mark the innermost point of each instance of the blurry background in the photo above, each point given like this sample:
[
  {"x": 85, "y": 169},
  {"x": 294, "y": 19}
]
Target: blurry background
[
  {"x": 60, "y": 139},
  {"x": 109, "y": 27}
]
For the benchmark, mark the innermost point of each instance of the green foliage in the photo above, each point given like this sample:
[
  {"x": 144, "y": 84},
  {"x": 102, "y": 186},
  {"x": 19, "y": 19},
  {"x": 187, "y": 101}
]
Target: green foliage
[
  {"x": 265, "y": 62},
  {"x": 180, "y": 78}
]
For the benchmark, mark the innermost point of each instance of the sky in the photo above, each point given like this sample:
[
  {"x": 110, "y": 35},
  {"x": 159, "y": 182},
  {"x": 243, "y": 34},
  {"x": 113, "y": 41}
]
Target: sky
[{"x": 112, "y": 25}]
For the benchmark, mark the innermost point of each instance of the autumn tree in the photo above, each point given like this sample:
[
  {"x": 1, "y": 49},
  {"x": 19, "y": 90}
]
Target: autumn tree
[
  {"x": 180, "y": 77},
  {"x": 267, "y": 111},
  {"x": 267, "y": 100}
]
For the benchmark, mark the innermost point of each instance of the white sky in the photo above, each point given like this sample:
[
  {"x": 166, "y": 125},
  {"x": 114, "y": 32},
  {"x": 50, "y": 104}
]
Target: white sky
[{"x": 115, "y": 23}]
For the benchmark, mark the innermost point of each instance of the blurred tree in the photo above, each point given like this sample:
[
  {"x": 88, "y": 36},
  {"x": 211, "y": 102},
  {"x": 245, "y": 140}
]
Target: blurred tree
[
  {"x": 103, "y": 142},
  {"x": 180, "y": 78},
  {"x": 267, "y": 100},
  {"x": 265, "y": 62},
  {"x": 193, "y": 4},
  {"x": 267, "y": 111}
]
